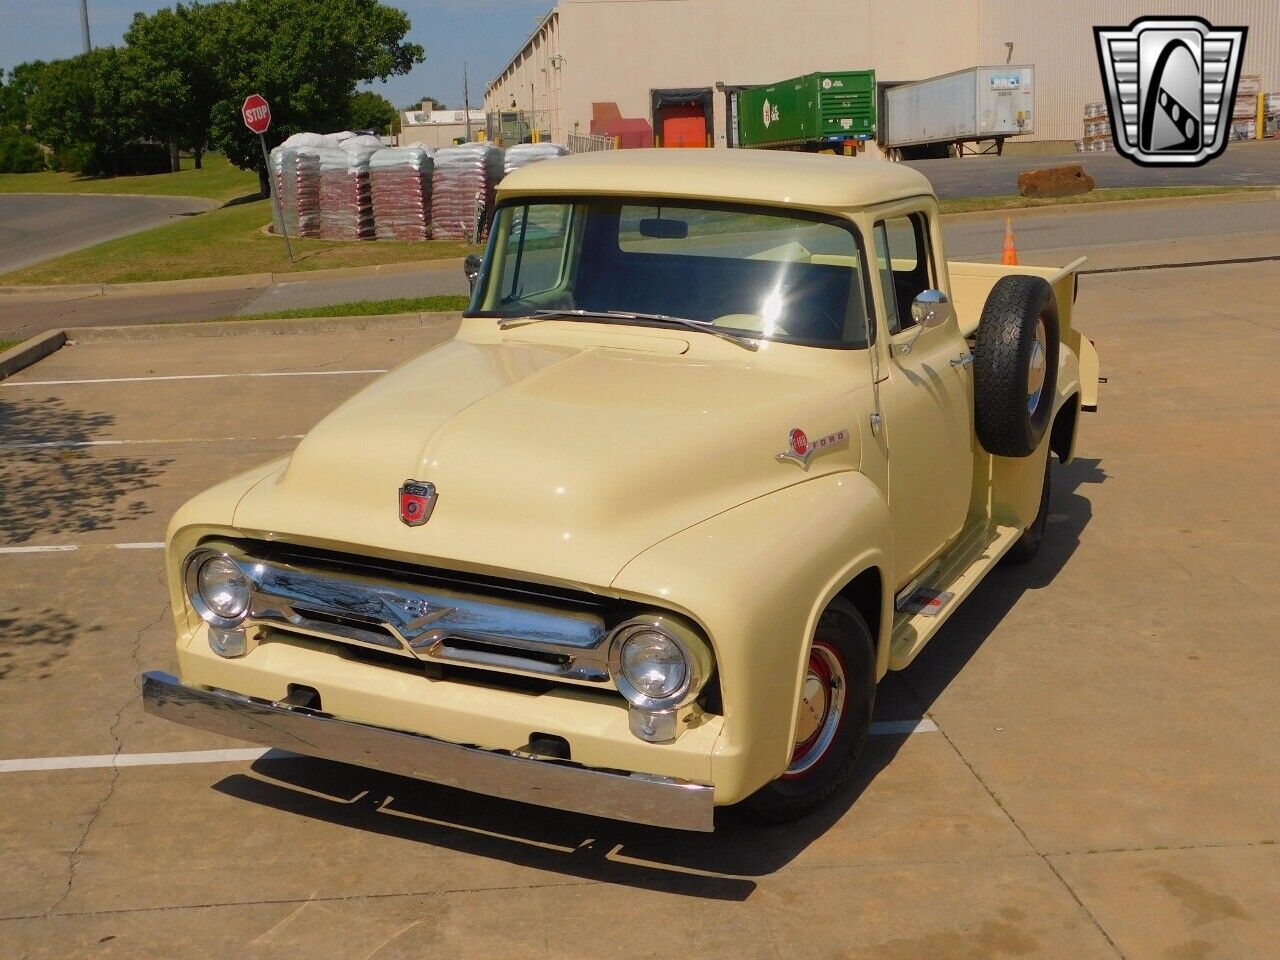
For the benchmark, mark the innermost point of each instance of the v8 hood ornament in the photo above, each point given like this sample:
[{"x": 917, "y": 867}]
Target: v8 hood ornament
[
  {"x": 417, "y": 501},
  {"x": 801, "y": 450}
]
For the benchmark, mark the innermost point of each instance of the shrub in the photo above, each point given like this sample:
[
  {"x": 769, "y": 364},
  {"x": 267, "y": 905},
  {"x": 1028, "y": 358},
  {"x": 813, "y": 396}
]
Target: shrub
[{"x": 19, "y": 153}]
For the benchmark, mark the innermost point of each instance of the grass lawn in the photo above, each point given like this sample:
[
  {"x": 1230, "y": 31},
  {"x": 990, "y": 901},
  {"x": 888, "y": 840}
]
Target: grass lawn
[
  {"x": 6, "y": 344},
  {"x": 221, "y": 243},
  {"x": 366, "y": 308},
  {"x": 216, "y": 180},
  {"x": 1014, "y": 202}
]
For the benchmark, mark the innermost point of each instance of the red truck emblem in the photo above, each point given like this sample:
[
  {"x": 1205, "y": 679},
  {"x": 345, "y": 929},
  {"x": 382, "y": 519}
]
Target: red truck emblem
[{"x": 417, "y": 501}]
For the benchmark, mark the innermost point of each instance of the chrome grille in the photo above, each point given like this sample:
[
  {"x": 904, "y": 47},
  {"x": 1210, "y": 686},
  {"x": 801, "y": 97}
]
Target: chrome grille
[{"x": 434, "y": 625}]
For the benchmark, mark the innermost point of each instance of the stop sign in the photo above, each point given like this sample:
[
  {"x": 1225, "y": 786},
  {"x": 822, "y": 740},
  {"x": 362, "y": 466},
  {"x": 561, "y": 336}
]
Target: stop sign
[{"x": 257, "y": 113}]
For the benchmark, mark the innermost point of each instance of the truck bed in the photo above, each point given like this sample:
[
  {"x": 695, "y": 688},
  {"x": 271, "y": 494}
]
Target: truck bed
[{"x": 972, "y": 282}]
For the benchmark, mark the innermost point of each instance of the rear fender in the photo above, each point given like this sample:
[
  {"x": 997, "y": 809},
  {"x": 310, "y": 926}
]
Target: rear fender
[{"x": 757, "y": 578}]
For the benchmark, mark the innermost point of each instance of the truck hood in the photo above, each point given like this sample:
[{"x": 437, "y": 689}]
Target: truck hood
[{"x": 560, "y": 462}]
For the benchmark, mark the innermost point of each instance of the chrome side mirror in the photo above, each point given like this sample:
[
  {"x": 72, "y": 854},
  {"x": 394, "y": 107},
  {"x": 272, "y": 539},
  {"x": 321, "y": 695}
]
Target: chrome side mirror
[
  {"x": 471, "y": 267},
  {"x": 930, "y": 309}
]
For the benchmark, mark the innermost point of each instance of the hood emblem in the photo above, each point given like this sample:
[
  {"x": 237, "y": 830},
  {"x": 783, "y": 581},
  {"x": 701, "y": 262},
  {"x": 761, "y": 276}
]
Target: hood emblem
[
  {"x": 417, "y": 501},
  {"x": 800, "y": 449}
]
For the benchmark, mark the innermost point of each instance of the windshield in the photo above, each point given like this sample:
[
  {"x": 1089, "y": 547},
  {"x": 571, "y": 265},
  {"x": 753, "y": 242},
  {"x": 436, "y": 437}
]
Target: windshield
[{"x": 756, "y": 272}]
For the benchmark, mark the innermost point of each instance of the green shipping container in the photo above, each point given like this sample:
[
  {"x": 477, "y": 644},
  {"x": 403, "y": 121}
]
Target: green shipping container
[{"x": 813, "y": 110}]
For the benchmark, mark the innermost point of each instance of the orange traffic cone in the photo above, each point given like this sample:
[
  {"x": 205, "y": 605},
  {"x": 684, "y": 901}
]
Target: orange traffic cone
[{"x": 1010, "y": 251}]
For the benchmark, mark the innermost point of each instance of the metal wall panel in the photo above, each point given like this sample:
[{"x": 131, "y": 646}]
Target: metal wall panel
[
  {"x": 1058, "y": 38},
  {"x": 619, "y": 50}
]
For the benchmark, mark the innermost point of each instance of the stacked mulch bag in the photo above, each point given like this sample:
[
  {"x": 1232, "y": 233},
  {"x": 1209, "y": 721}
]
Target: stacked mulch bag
[
  {"x": 400, "y": 186},
  {"x": 346, "y": 207},
  {"x": 295, "y": 172},
  {"x": 462, "y": 190},
  {"x": 523, "y": 154}
]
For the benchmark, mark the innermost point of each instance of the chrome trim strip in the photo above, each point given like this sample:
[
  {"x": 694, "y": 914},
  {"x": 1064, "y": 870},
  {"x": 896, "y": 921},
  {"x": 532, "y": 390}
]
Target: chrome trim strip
[
  {"x": 432, "y": 625},
  {"x": 617, "y": 795}
]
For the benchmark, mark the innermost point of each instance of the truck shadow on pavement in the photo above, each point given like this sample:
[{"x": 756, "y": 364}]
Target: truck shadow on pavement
[
  {"x": 51, "y": 484},
  {"x": 718, "y": 866}
]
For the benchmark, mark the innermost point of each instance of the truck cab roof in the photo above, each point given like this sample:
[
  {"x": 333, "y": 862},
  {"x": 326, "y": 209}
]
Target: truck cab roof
[{"x": 771, "y": 178}]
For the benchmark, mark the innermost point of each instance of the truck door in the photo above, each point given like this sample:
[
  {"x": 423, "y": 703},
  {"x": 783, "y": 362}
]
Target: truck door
[{"x": 926, "y": 403}]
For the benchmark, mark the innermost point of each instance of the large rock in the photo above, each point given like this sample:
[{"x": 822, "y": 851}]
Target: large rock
[{"x": 1064, "y": 181}]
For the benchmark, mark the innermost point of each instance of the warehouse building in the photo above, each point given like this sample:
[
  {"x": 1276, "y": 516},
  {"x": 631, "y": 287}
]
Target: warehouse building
[
  {"x": 669, "y": 68},
  {"x": 439, "y": 128}
]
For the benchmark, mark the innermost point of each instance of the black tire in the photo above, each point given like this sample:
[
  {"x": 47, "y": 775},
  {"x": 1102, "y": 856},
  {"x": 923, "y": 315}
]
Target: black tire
[
  {"x": 1006, "y": 420},
  {"x": 841, "y": 630},
  {"x": 1028, "y": 545}
]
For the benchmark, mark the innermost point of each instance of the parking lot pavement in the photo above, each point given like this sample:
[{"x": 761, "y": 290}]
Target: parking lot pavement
[
  {"x": 1243, "y": 164},
  {"x": 36, "y": 226},
  {"x": 1099, "y": 779},
  {"x": 1188, "y": 230},
  {"x": 23, "y": 316}
]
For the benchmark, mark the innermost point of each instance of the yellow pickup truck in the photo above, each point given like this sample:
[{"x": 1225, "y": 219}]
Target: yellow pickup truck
[{"x": 722, "y": 439}]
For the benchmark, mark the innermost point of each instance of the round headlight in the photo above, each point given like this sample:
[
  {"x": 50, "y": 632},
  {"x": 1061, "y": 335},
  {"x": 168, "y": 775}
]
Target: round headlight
[
  {"x": 653, "y": 664},
  {"x": 223, "y": 589}
]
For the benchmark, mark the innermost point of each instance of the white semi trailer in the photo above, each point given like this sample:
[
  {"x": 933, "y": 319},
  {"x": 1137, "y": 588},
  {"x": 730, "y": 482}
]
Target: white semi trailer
[{"x": 938, "y": 117}]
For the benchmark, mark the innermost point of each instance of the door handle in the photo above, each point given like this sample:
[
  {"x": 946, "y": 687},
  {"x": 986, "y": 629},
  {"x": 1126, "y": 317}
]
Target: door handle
[{"x": 964, "y": 360}]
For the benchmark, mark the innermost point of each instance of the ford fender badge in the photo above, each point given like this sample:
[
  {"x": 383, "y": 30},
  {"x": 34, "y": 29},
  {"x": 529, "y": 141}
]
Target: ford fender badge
[
  {"x": 801, "y": 450},
  {"x": 417, "y": 501}
]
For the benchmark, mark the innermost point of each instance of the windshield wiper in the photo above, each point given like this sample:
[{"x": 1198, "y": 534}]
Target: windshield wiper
[{"x": 700, "y": 325}]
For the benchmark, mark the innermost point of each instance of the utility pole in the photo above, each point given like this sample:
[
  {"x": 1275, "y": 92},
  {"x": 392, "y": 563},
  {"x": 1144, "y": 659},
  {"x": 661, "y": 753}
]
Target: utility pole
[
  {"x": 84, "y": 25},
  {"x": 466, "y": 100}
]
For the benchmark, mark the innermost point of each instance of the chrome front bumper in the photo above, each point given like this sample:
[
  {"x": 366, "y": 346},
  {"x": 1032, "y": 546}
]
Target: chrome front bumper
[{"x": 617, "y": 795}]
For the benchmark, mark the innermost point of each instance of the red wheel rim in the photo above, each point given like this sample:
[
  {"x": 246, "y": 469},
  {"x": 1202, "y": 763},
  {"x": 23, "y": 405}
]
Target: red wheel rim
[{"x": 820, "y": 712}]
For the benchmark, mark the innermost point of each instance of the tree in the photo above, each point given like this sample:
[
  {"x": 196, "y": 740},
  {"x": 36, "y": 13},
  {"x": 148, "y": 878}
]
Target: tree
[
  {"x": 19, "y": 153},
  {"x": 372, "y": 111},
  {"x": 90, "y": 101},
  {"x": 426, "y": 103},
  {"x": 306, "y": 57},
  {"x": 16, "y": 91},
  {"x": 181, "y": 44}
]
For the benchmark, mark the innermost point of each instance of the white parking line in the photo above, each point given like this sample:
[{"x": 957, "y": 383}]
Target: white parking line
[
  {"x": 65, "y": 444},
  {"x": 130, "y": 760},
  {"x": 192, "y": 376},
  {"x": 70, "y": 547},
  {"x": 889, "y": 728},
  {"x": 898, "y": 727}
]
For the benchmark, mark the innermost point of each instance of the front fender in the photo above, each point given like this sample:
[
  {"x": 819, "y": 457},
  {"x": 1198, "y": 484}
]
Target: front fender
[{"x": 757, "y": 578}]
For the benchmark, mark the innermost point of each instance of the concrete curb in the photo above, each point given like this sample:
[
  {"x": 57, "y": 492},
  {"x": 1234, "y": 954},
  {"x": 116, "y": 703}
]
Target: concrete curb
[
  {"x": 43, "y": 345},
  {"x": 212, "y": 204},
  {"x": 243, "y": 281},
  {"x": 31, "y": 351},
  {"x": 246, "y": 328}
]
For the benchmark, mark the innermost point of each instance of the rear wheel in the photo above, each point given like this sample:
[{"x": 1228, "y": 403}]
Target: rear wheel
[{"x": 833, "y": 717}]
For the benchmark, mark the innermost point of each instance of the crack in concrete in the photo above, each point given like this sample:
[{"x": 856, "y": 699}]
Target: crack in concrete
[
  {"x": 303, "y": 901},
  {"x": 1044, "y": 858},
  {"x": 77, "y": 853}
]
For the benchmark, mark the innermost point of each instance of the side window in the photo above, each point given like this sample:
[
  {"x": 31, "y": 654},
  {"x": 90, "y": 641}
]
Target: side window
[
  {"x": 902, "y": 261},
  {"x": 534, "y": 259}
]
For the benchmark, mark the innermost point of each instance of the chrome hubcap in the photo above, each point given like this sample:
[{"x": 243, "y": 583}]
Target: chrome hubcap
[
  {"x": 1036, "y": 375},
  {"x": 821, "y": 708}
]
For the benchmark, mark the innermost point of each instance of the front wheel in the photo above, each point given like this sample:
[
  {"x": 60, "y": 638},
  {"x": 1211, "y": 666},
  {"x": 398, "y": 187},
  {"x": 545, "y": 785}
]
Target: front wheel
[{"x": 833, "y": 717}]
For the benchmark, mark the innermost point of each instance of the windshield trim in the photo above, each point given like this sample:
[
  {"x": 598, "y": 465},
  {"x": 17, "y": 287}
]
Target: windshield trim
[{"x": 799, "y": 213}]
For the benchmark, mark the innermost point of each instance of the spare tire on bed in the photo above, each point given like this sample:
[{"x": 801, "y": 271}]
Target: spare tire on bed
[{"x": 1015, "y": 366}]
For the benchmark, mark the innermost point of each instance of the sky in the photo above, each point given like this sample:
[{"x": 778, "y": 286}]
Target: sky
[{"x": 484, "y": 33}]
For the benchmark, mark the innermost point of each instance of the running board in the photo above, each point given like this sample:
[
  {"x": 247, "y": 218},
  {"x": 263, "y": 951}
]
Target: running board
[{"x": 922, "y": 613}]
